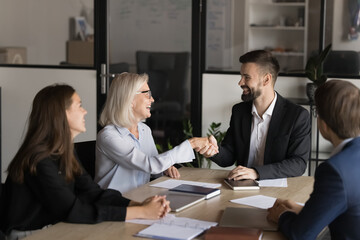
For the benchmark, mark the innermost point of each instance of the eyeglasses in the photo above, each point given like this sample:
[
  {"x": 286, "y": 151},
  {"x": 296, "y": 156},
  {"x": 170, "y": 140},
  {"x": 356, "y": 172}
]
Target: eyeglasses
[{"x": 148, "y": 93}]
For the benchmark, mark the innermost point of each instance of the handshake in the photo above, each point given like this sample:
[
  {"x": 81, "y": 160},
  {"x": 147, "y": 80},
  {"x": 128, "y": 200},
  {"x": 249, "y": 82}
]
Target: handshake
[{"x": 206, "y": 146}]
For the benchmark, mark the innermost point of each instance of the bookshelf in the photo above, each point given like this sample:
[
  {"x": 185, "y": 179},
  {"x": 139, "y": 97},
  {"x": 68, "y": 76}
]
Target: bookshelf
[{"x": 280, "y": 27}]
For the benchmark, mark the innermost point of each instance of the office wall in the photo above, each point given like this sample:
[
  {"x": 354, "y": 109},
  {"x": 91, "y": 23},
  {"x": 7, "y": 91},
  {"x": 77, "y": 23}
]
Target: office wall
[{"x": 20, "y": 85}]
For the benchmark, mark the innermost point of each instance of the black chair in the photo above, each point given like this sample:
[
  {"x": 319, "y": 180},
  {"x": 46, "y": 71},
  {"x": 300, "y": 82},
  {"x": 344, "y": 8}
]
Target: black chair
[
  {"x": 86, "y": 154},
  {"x": 342, "y": 63},
  {"x": 119, "y": 67},
  {"x": 167, "y": 72}
]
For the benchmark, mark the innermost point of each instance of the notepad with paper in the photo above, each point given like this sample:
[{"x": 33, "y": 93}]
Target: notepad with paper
[{"x": 177, "y": 229}]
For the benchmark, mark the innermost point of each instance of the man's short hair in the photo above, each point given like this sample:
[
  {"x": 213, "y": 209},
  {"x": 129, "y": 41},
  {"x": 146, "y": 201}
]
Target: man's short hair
[
  {"x": 338, "y": 104},
  {"x": 264, "y": 59}
]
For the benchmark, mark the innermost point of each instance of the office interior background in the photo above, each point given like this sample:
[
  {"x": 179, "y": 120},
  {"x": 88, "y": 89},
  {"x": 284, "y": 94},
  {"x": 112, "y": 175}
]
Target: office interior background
[{"x": 189, "y": 48}]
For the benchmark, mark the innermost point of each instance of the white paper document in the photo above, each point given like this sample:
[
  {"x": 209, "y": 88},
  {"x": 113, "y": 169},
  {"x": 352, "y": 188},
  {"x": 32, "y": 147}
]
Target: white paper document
[
  {"x": 259, "y": 201},
  {"x": 171, "y": 219},
  {"x": 171, "y": 183},
  {"x": 279, "y": 182},
  {"x": 169, "y": 232},
  {"x": 172, "y": 227}
]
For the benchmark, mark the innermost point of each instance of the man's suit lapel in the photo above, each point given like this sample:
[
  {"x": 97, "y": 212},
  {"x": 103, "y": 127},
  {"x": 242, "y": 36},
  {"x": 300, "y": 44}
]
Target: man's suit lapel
[
  {"x": 274, "y": 126},
  {"x": 246, "y": 130}
]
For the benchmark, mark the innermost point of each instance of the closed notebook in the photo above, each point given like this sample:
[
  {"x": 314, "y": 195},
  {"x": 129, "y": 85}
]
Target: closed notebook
[
  {"x": 245, "y": 184},
  {"x": 233, "y": 233},
  {"x": 204, "y": 191},
  {"x": 247, "y": 217},
  {"x": 180, "y": 201}
]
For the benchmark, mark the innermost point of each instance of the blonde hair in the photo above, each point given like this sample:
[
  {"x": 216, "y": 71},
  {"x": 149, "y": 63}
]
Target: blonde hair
[{"x": 118, "y": 109}]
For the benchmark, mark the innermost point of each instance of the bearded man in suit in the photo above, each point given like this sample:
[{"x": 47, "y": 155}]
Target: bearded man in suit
[{"x": 269, "y": 136}]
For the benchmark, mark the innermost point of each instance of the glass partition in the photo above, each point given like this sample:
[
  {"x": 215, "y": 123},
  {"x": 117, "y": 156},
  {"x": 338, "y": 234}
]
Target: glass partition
[
  {"x": 154, "y": 37},
  {"x": 342, "y": 29},
  {"x": 42, "y": 32}
]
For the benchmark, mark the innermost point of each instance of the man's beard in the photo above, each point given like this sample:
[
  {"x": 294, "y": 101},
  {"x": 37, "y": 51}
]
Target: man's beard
[{"x": 251, "y": 96}]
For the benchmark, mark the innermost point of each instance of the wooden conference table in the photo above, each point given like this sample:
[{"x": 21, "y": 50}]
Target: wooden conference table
[{"x": 299, "y": 189}]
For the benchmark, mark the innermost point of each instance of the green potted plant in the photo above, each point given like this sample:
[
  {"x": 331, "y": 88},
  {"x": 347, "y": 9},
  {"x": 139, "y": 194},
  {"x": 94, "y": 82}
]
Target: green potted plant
[{"x": 314, "y": 72}]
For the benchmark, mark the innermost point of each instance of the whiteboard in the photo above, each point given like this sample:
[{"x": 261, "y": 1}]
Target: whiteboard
[
  {"x": 150, "y": 25},
  {"x": 219, "y": 44}
]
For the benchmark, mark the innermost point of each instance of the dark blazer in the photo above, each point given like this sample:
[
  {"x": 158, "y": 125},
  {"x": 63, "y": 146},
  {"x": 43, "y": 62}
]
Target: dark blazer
[
  {"x": 287, "y": 145},
  {"x": 2, "y": 236},
  {"x": 47, "y": 198},
  {"x": 334, "y": 202}
]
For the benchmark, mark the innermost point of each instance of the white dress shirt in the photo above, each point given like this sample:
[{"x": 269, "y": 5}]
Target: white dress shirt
[
  {"x": 124, "y": 162},
  {"x": 259, "y": 131}
]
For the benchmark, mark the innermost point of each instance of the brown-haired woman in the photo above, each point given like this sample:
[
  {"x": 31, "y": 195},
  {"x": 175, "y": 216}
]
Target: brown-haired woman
[{"x": 46, "y": 183}]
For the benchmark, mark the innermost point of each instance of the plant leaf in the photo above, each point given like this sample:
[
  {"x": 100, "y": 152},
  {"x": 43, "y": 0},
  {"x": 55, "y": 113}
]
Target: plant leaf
[{"x": 324, "y": 53}]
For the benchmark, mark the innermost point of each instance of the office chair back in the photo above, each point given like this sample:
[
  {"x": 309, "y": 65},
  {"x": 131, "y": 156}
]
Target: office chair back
[
  {"x": 86, "y": 154},
  {"x": 167, "y": 77},
  {"x": 342, "y": 63}
]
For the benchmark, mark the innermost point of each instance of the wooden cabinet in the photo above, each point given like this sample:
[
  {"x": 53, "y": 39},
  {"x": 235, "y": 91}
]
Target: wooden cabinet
[{"x": 278, "y": 26}]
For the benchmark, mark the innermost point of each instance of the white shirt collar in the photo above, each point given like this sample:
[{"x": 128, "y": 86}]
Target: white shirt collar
[
  {"x": 340, "y": 146},
  {"x": 269, "y": 110},
  {"x": 124, "y": 131}
]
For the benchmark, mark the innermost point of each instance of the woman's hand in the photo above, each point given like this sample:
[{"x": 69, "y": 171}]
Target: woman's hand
[
  {"x": 172, "y": 172},
  {"x": 154, "y": 207},
  {"x": 204, "y": 145},
  {"x": 214, "y": 149}
]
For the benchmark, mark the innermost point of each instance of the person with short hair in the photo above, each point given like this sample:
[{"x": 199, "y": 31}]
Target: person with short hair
[
  {"x": 46, "y": 183},
  {"x": 269, "y": 136},
  {"x": 335, "y": 200},
  {"x": 126, "y": 154}
]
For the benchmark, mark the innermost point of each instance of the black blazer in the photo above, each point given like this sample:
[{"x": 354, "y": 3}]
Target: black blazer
[
  {"x": 47, "y": 198},
  {"x": 287, "y": 145}
]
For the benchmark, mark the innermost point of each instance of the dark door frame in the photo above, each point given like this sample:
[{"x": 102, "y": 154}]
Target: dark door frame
[
  {"x": 197, "y": 62},
  {"x": 100, "y": 54}
]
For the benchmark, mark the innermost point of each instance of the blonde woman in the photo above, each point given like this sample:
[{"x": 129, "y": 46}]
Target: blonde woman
[{"x": 126, "y": 155}]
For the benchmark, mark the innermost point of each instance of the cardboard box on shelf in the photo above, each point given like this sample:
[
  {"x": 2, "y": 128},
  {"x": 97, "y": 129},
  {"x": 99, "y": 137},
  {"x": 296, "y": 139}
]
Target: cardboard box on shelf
[
  {"x": 12, "y": 55},
  {"x": 80, "y": 53}
]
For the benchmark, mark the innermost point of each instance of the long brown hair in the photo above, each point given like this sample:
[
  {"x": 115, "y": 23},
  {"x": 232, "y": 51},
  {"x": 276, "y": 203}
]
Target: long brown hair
[{"x": 48, "y": 135}]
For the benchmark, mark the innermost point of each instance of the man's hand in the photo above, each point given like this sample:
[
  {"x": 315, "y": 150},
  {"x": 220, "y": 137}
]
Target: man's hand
[
  {"x": 214, "y": 149},
  {"x": 281, "y": 206},
  {"x": 241, "y": 172}
]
